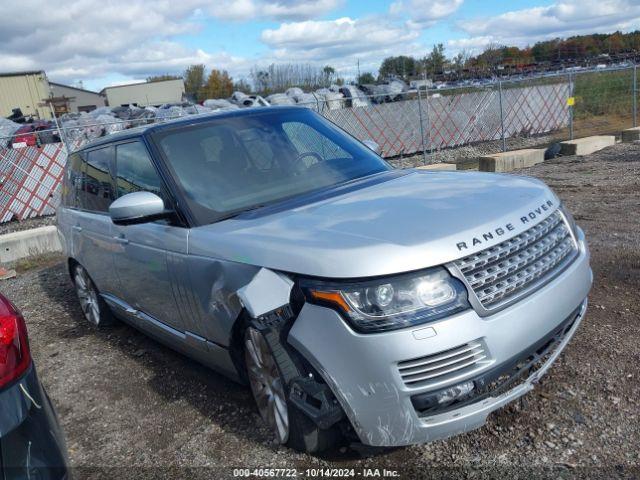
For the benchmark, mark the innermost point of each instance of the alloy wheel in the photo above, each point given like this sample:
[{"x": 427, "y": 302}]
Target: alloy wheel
[
  {"x": 87, "y": 295},
  {"x": 266, "y": 384}
]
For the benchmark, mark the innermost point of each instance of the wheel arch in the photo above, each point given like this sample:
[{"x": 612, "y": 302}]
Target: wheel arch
[{"x": 71, "y": 265}]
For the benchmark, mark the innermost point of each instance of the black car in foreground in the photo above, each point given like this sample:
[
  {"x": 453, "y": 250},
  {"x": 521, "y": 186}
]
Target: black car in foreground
[{"x": 31, "y": 440}]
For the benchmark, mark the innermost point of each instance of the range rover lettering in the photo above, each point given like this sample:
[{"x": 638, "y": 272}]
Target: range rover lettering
[{"x": 357, "y": 301}]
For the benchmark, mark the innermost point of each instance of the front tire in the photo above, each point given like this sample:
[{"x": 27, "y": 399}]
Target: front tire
[
  {"x": 268, "y": 366},
  {"x": 94, "y": 308}
]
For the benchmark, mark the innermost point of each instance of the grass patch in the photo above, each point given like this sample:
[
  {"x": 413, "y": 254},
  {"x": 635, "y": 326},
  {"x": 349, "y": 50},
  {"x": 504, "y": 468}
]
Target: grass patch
[
  {"x": 603, "y": 94},
  {"x": 36, "y": 261}
]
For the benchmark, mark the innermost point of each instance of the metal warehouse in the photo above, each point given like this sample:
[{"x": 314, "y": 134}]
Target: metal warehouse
[
  {"x": 145, "y": 93},
  {"x": 26, "y": 91},
  {"x": 77, "y": 99}
]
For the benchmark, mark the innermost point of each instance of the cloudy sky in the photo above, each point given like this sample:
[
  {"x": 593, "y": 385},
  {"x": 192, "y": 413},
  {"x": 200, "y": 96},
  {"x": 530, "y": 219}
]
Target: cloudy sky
[{"x": 106, "y": 42}]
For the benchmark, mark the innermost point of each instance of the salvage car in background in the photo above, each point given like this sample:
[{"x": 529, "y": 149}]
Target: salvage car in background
[
  {"x": 358, "y": 301},
  {"x": 31, "y": 441},
  {"x": 36, "y": 133}
]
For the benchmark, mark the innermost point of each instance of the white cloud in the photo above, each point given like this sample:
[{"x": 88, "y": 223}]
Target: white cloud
[
  {"x": 89, "y": 39},
  {"x": 562, "y": 19},
  {"x": 273, "y": 9},
  {"x": 341, "y": 41},
  {"x": 424, "y": 13},
  {"x": 120, "y": 39},
  {"x": 472, "y": 45}
]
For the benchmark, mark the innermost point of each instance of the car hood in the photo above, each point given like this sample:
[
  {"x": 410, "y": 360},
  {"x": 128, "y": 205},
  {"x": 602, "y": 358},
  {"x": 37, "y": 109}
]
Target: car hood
[{"x": 409, "y": 222}]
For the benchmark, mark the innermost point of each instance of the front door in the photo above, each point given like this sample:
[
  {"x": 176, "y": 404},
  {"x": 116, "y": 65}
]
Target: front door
[
  {"x": 91, "y": 224},
  {"x": 142, "y": 251}
]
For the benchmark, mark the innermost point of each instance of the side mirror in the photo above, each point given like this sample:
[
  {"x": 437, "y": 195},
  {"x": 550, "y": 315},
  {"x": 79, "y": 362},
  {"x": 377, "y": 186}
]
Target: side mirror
[
  {"x": 137, "y": 207},
  {"x": 371, "y": 145}
]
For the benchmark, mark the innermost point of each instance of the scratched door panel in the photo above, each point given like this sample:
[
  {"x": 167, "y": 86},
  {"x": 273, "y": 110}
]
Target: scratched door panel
[{"x": 141, "y": 262}]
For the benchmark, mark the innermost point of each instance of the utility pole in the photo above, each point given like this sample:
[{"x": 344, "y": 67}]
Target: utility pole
[
  {"x": 358, "y": 78},
  {"x": 635, "y": 93}
]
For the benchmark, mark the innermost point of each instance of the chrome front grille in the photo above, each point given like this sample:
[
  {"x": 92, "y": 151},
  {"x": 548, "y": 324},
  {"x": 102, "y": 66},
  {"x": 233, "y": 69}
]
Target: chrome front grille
[
  {"x": 517, "y": 266},
  {"x": 444, "y": 366}
]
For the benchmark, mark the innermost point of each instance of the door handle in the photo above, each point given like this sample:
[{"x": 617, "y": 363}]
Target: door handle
[
  {"x": 121, "y": 240},
  {"x": 76, "y": 228}
]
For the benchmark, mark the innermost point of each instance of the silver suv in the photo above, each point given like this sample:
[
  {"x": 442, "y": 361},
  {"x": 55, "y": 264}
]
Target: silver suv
[{"x": 359, "y": 302}]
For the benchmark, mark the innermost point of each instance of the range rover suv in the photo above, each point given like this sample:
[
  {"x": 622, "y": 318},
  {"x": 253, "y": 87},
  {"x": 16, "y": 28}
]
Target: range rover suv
[{"x": 357, "y": 301}]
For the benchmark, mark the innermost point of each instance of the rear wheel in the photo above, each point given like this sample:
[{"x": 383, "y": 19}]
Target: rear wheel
[
  {"x": 94, "y": 308},
  {"x": 267, "y": 370}
]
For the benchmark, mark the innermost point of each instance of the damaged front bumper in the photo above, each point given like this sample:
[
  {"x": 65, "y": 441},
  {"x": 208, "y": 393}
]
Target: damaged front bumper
[{"x": 365, "y": 371}]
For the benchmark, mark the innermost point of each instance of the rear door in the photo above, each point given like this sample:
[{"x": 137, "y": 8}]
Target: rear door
[
  {"x": 91, "y": 224},
  {"x": 144, "y": 251}
]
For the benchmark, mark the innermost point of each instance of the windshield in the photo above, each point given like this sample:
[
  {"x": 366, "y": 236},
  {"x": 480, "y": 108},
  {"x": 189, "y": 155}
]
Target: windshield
[{"x": 235, "y": 163}]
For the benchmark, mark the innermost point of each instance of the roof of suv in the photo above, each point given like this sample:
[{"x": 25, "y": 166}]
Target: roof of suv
[{"x": 188, "y": 120}]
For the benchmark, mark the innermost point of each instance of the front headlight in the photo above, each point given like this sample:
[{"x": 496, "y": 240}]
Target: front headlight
[{"x": 392, "y": 302}]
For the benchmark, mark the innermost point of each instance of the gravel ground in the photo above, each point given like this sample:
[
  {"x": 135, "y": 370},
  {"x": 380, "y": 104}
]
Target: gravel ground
[
  {"x": 133, "y": 408},
  {"x": 15, "y": 225}
]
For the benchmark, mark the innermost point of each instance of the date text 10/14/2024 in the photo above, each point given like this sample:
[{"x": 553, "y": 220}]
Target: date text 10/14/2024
[{"x": 315, "y": 473}]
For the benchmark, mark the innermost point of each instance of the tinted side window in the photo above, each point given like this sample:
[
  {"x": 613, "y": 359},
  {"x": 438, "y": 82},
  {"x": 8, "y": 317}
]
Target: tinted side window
[
  {"x": 72, "y": 180},
  {"x": 135, "y": 170},
  {"x": 96, "y": 192}
]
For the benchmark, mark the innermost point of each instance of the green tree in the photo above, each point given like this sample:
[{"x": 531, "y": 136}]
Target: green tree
[
  {"x": 163, "y": 77},
  {"x": 219, "y": 85},
  {"x": 544, "y": 51},
  {"x": 242, "y": 86},
  {"x": 459, "y": 62},
  {"x": 329, "y": 73},
  {"x": 400, "y": 66},
  {"x": 615, "y": 43},
  {"x": 436, "y": 60},
  {"x": 365, "y": 78},
  {"x": 194, "y": 81}
]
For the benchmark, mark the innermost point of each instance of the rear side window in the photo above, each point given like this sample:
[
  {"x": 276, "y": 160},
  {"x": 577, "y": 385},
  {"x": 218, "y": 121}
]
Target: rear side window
[
  {"x": 135, "y": 171},
  {"x": 96, "y": 192},
  {"x": 72, "y": 181}
]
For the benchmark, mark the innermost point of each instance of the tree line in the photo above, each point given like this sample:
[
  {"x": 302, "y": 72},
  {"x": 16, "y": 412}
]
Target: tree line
[
  {"x": 572, "y": 49},
  {"x": 217, "y": 83},
  {"x": 200, "y": 85}
]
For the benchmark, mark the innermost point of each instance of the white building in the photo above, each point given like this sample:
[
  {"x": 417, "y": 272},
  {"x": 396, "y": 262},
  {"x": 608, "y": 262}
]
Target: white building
[
  {"x": 79, "y": 99},
  {"x": 26, "y": 91},
  {"x": 145, "y": 93}
]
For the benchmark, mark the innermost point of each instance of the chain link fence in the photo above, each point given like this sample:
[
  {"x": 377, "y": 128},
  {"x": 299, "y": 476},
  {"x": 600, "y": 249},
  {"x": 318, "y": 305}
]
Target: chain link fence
[{"x": 412, "y": 128}]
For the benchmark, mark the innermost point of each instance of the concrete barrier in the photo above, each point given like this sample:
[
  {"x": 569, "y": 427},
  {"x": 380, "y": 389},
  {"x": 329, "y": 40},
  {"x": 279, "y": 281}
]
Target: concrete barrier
[
  {"x": 508, "y": 161},
  {"x": 438, "y": 166},
  {"x": 22, "y": 244},
  {"x": 468, "y": 164},
  {"x": 586, "y": 145},
  {"x": 631, "y": 134}
]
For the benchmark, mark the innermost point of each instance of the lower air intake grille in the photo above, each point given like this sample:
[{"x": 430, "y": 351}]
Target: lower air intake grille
[
  {"x": 443, "y": 366},
  {"x": 516, "y": 266}
]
